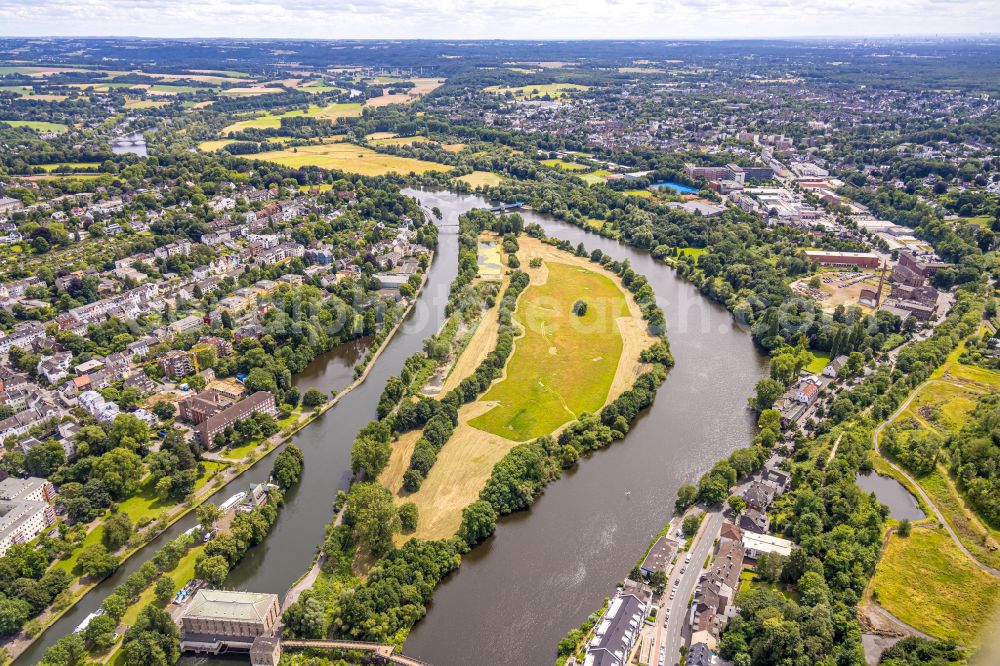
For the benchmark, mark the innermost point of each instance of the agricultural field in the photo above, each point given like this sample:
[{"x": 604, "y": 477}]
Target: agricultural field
[
  {"x": 563, "y": 365},
  {"x": 26, "y": 91},
  {"x": 167, "y": 89},
  {"x": 215, "y": 144},
  {"x": 251, "y": 91},
  {"x": 144, "y": 104},
  {"x": 927, "y": 582},
  {"x": 453, "y": 147},
  {"x": 553, "y": 91},
  {"x": 37, "y": 125},
  {"x": 396, "y": 140},
  {"x": 481, "y": 178},
  {"x": 349, "y": 157},
  {"x": 273, "y": 121}
]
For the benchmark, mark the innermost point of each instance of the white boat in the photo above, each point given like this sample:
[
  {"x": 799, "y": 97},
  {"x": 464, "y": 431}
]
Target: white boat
[
  {"x": 232, "y": 501},
  {"x": 86, "y": 621}
]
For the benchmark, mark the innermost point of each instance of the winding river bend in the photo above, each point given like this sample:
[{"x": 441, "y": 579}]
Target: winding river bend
[{"x": 545, "y": 569}]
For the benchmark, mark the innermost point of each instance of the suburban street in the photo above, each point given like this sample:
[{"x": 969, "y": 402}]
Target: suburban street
[{"x": 673, "y": 635}]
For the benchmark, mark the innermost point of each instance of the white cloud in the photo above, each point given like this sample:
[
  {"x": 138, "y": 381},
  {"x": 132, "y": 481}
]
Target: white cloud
[{"x": 479, "y": 19}]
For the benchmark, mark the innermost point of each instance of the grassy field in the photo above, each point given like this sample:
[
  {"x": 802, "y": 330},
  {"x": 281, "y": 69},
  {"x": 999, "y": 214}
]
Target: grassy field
[
  {"x": 565, "y": 166},
  {"x": 168, "y": 89},
  {"x": 925, "y": 581},
  {"x": 645, "y": 194},
  {"x": 596, "y": 177},
  {"x": 180, "y": 575},
  {"x": 144, "y": 506},
  {"x": 984, "y": 221},
  {"x": 37, "y": 125},
  {"x": 563, "y": 365},
  {"x": 478, "y": 178},
  {"x": 273, "y": 121},
  {"x": 145, "y": 103},
  {"x": 71, "y": 165},
  {"x": 694, "y": 252},
  {"x": 551, "y": 90},
  {"x": 489, "y": 258},
  {"x": 399, "y": 140},
  {"x": 453, "y": 147},
  {"x": 349, "y": 157},
  {"x": 467, "y": 459},
  {"x": 215, "y": 144},
  {"x": 820, "y": 361},
  {"x": 251, "y": 91}
]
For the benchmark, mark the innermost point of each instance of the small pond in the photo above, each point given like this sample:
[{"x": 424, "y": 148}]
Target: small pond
[{"x": 891, "y": 492}]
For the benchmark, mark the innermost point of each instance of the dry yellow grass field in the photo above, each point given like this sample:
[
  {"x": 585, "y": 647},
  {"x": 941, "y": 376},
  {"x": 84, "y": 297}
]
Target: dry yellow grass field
[
  {"x": 349, "y": 157},
  {"x": 453, "y": 147},
  {"x": 477, "y": 178},
  {"x": 466, "y": 461},
  {"x": 462, "y": 468}
]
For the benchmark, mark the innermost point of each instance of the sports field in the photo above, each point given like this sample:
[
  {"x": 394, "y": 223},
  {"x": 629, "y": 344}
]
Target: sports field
[
  {"x": 349, "y": 157},
  {"x": 273, "y": 121},
  {"x": 563, "y": 365},
  {"x": 565, "y": 166},
  {"x": 595, "y": 177}
]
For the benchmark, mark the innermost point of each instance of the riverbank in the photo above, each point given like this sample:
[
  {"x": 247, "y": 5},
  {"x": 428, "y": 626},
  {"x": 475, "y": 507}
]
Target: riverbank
[
  {"x": 237, "y": 468},
  {"x": 554, "y": 563},
  {"x": 547, "y": 353}
]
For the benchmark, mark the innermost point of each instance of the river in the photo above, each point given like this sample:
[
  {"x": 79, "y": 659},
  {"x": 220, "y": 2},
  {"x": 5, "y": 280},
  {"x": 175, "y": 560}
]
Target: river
[
  {"x": 546, "y": 569},
  {"x": 288, "y": 551}
]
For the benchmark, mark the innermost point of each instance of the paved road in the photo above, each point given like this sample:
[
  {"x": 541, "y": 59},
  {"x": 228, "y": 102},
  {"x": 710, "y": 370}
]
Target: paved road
[
  {"x": 930, "y": 503},
  {"x": 673, "y": 635}
]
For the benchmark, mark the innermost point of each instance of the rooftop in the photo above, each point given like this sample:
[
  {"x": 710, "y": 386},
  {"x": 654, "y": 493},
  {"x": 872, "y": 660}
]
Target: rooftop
[{"x": 225, "y": 605}]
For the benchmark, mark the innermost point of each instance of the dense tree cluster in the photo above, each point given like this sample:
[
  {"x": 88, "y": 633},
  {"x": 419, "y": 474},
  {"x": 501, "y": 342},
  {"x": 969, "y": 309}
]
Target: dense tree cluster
[
  {"x": 975, "y": 458},
  {"x": 287, "y": 468},
  {"x": 397, "y": 591}
]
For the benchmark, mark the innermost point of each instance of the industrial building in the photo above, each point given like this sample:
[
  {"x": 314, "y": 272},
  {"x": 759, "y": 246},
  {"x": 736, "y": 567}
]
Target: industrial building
[
  {"x": 222, "y": 621},
  {"x": 844, "y": 259}
]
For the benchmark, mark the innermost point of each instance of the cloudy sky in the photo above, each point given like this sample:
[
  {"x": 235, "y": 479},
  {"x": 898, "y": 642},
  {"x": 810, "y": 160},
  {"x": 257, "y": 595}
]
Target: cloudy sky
[{"x": 478, "y": 19}]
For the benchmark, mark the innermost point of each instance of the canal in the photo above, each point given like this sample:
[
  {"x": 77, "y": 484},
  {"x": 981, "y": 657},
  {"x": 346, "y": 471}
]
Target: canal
[
  {"x": 545, "y": 570},
  {"x": 288, "y": 551}
]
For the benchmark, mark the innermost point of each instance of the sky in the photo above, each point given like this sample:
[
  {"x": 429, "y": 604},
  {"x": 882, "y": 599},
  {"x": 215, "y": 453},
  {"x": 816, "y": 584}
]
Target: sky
[{"x": 507, "y": 19}]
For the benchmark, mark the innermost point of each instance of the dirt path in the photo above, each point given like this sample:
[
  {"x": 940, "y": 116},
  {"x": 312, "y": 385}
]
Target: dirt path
[
  {"x": 937, "y": 512},
  {"x": 833, "y": 451}
]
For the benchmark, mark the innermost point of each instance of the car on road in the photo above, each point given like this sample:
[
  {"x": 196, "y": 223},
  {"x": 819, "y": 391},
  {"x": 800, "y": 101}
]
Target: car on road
[{"x": 683, "y": 569}]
